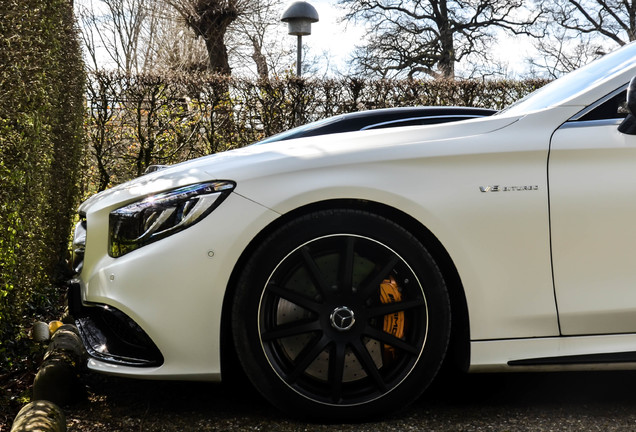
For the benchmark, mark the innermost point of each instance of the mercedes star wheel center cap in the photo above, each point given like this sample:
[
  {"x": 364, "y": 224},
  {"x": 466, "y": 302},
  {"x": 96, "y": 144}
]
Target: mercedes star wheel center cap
[{"x": 342, "y": 318}]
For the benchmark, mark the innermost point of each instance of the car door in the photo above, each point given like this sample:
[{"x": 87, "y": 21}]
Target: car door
[{"x": 592, "y": 183}]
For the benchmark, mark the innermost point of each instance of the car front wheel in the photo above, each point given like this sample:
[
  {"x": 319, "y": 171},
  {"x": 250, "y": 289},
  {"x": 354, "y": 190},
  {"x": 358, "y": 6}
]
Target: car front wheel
[{"x": 341, "y": 315}]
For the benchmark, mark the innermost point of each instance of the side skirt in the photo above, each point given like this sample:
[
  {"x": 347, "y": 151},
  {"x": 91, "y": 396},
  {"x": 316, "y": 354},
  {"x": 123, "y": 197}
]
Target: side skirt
[{"x": 615, "y": 352}]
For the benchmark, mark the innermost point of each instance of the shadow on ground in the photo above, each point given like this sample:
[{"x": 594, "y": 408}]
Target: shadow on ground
[{"x": 573, "y": 401}]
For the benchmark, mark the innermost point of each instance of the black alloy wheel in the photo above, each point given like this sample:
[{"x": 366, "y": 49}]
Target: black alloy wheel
[{"x": 341, "y": 315}]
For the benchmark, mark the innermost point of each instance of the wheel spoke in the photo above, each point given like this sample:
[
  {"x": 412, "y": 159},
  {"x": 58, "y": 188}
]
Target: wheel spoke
[
  {"x": 306, "y": 357},
  {"x": 336, "y": 370},
  {"x": 346, "y": 265},
  {"x": 369, "y": 366},
  {"x": 389, "y": 339},
  {"x": 293, "y": 297},
  {"x": 390, "y": 308},
  {"x": 290, "y": 329},
  {"x": 316, "y": 275},
  {"x": 372, "y": 284}
]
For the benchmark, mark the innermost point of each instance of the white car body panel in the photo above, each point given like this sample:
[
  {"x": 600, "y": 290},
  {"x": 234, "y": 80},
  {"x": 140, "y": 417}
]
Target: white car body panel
[
  {"x": 448, "y": 173},
  {"x": 593, "y": 185},
  {"x": 531, "y": 242},
  {"x": 495, "y": 313},
  {"x": 172, "y": 296}
]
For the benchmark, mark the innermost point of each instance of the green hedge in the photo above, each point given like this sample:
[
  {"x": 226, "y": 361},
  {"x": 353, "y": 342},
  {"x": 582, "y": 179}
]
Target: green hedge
[
  {"x": 41, "y": 143},
  {"x": 137, "y": 120}
]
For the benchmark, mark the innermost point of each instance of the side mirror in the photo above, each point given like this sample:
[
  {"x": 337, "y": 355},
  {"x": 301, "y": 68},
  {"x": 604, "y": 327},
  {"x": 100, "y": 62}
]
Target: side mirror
[
  {"x": 628, "y": 126},
  {"x": 631, "y": 96}
]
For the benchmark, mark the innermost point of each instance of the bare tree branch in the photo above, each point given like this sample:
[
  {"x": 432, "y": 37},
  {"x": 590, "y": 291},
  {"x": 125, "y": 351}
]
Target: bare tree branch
[
  {"x": 579, "y": 31},
  {"x": 117, "y": 29},
  {"x": 406, "y": 37},
  {"x": 210, "y": 20},
  {"x": 138, "y": 36}
]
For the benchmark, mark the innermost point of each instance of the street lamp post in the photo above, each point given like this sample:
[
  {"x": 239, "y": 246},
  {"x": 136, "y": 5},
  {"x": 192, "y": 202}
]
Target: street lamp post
[{"x": 299, "y": 16}]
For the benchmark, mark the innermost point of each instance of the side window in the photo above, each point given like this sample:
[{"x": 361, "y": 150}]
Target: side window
[
  {"x": 613, "y": 108},
  {"x": 397, "y": 123},
  {"x": 420, "y": 121}
]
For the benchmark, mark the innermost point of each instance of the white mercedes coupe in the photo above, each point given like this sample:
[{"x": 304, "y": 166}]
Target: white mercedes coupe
[{"x": 341, "y": 271}]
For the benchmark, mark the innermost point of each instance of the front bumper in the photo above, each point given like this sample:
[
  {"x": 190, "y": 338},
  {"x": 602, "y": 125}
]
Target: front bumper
[
  {"x": 164, "y": 300},
  {"x": 111, "y": 336}
]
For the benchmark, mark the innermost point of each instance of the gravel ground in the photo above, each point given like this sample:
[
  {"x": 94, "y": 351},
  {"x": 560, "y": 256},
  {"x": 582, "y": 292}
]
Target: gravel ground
[{"x": 602, "y": 401}]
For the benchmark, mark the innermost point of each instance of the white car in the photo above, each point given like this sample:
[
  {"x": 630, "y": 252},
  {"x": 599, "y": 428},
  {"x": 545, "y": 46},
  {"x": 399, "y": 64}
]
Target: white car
[{"x": 342, "y": 270}]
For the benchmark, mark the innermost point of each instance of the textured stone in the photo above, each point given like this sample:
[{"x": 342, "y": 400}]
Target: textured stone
[{"x": 43, "y": 416}]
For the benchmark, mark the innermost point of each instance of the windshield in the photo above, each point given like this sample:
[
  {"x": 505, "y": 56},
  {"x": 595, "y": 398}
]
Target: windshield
[{"x": 575, "y": 82}]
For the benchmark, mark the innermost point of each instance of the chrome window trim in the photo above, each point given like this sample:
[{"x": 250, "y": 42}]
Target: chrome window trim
[
  {"x": 585, "y": 111},
  {"x": 591, "y": 123}
]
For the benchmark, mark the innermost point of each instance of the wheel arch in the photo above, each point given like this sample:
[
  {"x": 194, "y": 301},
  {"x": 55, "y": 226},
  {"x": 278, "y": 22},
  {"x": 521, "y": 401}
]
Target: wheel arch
[{"x": 458, "y": 354}]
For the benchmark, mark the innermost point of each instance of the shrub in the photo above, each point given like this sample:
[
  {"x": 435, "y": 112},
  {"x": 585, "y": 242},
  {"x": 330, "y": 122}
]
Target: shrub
[
  {"x": 139, "y": 120},
  {"x": 41, "y": 143}
]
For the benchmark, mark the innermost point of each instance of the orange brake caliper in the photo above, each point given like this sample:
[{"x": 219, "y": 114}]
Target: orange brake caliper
[{"x": 394, "y": 322}]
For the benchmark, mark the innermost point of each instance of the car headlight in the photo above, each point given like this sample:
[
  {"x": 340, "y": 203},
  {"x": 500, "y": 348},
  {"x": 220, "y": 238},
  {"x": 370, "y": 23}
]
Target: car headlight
[{"x": 159, "y": 216}]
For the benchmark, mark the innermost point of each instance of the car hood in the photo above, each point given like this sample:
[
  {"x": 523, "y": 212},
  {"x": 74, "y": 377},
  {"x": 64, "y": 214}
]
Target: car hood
[{"x": 255, "y": 162}]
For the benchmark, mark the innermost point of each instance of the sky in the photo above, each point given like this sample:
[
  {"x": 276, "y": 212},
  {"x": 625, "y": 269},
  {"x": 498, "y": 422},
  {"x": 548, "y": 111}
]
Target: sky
[
  {"x": 330, "y": 35},
  {"x": 339, "y": 39},
  {"x": 332, "y": 41}
]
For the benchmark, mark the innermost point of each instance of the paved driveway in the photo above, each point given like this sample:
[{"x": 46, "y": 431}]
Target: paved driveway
[{"x": 603, "y": 401}]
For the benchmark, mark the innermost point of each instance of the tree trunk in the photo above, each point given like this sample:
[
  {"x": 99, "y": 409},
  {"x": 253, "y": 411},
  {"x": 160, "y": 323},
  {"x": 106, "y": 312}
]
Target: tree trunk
[
  {"x": 210, "y": 20},
  {"x": 217, "y": 51},
  {"x": 261, "y": 61},
  {"x": 447, "y": 59}
]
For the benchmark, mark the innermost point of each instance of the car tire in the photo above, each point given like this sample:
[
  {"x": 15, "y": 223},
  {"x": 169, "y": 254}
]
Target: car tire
[{"x": 341, "y": 315}]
